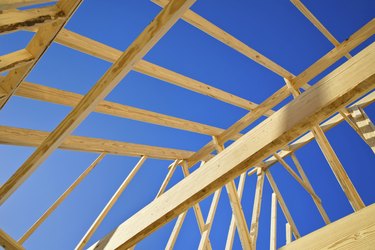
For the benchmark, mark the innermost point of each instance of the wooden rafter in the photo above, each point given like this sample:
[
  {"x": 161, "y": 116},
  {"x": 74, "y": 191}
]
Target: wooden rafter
[
  {"x": 110, "y": 204},
  {"x": 364, "y": 124},
  {"x": 273, "y": 226},
  {"x": 232, "y": 225},
  {"x": 330, "y": 123},
  {"x": 283, "y": 205},
  {"x": 327, "y": 60},
  {"x": 59, "y": 200},
  {"x": 13, "y": 20},
  {"x": 15, "y": 59},
  {"x": 8, "y": 242},
  {"x": 36, "y": 47},
  {"x": 307, "y": 13},
  {"x": 337, "y": 168},
  {"x": 34, "y": 138},
  {"x": 66, "y": 98},
  {"x": 198, "y": 211},
  {"x": 342, "y": 86},
  {"x": 105, "y": 52},
  {"x": 256, "y": 206},
  {"x": 144, "y": 42},
  {"x": 297, "y": 178},
  {"x": 235, "y": 202},
  {"x": 211, "y": 29},
  {"x": 318, "y": 204}
]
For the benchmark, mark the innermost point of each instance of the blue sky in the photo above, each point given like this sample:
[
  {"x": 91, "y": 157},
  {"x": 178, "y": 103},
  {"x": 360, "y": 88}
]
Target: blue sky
[{"x": 275, "y": 28}]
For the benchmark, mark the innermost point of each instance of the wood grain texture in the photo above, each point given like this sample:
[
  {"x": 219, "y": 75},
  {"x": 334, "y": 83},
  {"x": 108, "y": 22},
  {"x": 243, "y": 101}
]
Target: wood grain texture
[
  {"x": 355, "y": 231},
  {"x": 141, "y": 45},
  {"x": 308, "y": 137},
  {"x": 8, "y": 242},
  {"x": 34, "y": 138},
  {"x": 273, "y": 226},
  {"x": 307, "y": 13},
  {"x": 37, "y": 47},
  {"x": 61, "y": 198},
  {"x": 327, "y": 60},
  {"x": 13, "y": 20},
  {"x": 256, "y": 207},
  {"x": 342, "y": 86},
  {"x": 110, "y": 204},
  {"x": 224, "y": 37},
  {"x": 283, "y": 205},
  {"x": 110, "y": 54},
  {"x": 232, "y": 225},
  {"x": 15, "y": 59},
  {"x": 318, "y": 203},
  {"x": 338, "y": 169},
  {"x": 365, "y": 125},
  {"x": 66, "y": 98}
]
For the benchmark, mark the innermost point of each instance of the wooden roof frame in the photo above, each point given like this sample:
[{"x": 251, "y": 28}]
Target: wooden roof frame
[{"x": 257, "y": 150}]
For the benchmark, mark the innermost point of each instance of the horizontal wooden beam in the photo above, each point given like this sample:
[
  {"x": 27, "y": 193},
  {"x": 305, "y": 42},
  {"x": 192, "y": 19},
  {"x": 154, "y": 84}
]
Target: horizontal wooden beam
[
  {"x": 105, "y": 52},
  {"x": 36, "y": 47},
  {"x": 13, "y": 4},
  {"x": 355, "y": 231},
  {"x": 342, "y": 86},
  {"x": 15, "y": 59},
  {"x": 66, "y": 98},
  {"x": 13, "y": 20},
  {"x": 33, "y": 138},
  {"x": 211, "y": 29},
  {"x": 357, "y": 38}
]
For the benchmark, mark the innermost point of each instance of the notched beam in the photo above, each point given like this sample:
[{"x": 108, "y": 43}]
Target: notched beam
[
  {"x": 14, "y": 20},
  {"x": 15, "y": 59}
]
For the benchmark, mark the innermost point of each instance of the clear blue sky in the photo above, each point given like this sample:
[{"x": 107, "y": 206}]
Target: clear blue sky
[{"x": 273, "y": 27}]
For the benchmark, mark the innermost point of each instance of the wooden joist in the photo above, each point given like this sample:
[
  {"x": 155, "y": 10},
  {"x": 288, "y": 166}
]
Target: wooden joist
[
  {"x": 232, "y": 225},
  {"x": 13, "y": 20},
  {"x": 364, "y": 124},
  {"x": 273, "y": 226},
  {"x": 36, "y": 47},
  {"x": 211, "y": 29},
  {"x": 327, "y": 60},
  {"x": 282, "y": 203},
  {"x": 59, "y": 200},
  {"x": 142, "y": 44},
  {"x": 310, "y": 16},
  {"x": 13, "y": 4},
  {"x": 335, "y": 54},
  {"x": 308, "y": 137},
  {"x": 8, "y": 242},
  {"x": 34, "y": 138},
  {"x": 235, "y": 202},
  {"x": 355, "y": 231},
  {"x": 351, "y": 80},
  {"x": 15, "y": 59},
  {"x": 318, "y": 203},
  {"x": 105, "y": 52},
  {"x": 66, "y": 98},
  {"x": 256, "y": 207},
  {"x": 337, "y": 168},
  {"x": 110, "y": 204}
]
